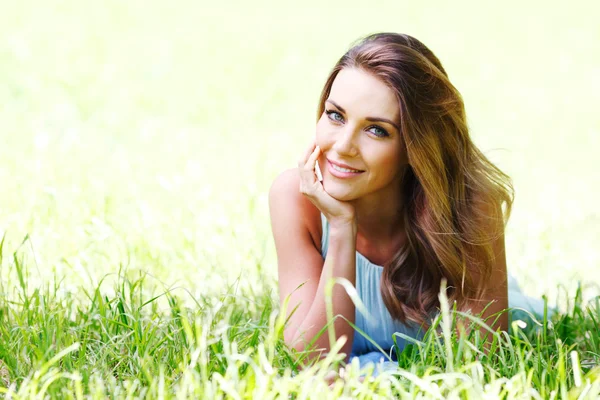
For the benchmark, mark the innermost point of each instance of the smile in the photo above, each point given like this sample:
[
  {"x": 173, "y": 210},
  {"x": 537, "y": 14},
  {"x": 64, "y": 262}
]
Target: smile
[{"x": 342, "y": 172}]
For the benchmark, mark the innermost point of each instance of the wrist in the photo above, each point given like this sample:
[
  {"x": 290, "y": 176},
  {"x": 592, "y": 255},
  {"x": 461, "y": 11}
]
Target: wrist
[{"x": 343, "y": 226}]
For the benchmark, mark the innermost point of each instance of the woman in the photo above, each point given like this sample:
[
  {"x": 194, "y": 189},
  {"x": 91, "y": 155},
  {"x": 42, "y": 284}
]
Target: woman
[{"x": 405, "y": 201}]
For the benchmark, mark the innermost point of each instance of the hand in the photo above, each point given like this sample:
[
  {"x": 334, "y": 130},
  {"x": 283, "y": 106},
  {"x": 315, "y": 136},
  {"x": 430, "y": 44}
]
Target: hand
[{"x": 333, "y": 209}]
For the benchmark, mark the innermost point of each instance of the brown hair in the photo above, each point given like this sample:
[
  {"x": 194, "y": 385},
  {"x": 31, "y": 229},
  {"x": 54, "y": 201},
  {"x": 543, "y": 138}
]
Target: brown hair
[{"x": 451, "y": 190}]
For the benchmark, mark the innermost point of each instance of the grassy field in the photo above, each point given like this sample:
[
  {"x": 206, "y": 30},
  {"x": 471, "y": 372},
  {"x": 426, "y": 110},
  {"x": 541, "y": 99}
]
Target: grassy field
[{"x": 138, "y": 141}]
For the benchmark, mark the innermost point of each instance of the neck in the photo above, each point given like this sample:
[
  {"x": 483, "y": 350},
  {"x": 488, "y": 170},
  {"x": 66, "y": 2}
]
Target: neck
[{"x": 379, "y": 218}]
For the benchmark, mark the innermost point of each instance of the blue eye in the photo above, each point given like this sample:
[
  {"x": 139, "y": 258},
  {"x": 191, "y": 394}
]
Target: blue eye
[
  {"x": 383, "y": 132},
  {"x": 329, "y": 112}
]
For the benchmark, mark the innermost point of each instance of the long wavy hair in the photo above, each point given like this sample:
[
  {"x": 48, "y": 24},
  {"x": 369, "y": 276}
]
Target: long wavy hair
[{"x": 452, "y": 193}]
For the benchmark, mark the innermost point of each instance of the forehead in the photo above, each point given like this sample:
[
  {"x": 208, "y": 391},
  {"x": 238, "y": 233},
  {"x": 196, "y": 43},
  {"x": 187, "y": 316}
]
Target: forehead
[{"x": 362, "y": 94}]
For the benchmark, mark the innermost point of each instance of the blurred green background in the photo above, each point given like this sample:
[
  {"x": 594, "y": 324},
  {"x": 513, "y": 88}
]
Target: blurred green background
[{"x": 145, "y": 134}]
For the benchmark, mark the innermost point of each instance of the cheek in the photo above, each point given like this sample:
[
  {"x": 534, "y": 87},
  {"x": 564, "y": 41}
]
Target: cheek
[
  {"x": 385, "y": 166},
  {"x": 322, "y": 139}
]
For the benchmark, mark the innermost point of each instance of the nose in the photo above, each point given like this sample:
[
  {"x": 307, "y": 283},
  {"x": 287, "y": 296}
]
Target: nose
[{"x": 345, "y": 143}]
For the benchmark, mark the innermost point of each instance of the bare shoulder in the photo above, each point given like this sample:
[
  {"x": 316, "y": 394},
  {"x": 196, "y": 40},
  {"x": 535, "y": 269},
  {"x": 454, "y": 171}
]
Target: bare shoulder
[{"x": 288, "y": 206}]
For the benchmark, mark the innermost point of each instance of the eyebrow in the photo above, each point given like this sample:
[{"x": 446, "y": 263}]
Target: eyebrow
[{"x": 373, "y": 119}]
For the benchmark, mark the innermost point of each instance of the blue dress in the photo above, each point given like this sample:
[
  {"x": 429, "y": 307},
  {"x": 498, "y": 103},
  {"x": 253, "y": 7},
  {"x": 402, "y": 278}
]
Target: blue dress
[{"x": 381, "y": 327}]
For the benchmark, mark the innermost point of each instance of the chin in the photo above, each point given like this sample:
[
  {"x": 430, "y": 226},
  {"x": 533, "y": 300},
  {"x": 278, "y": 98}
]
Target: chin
[{"x": 339, "y": 192}]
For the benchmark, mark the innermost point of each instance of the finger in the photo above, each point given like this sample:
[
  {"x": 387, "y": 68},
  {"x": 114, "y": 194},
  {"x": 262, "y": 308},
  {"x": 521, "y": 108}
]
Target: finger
[
  {"x": 310, "y": 163},
  {"x": 308, "y": 175},
  {"x": 307, "y": 171},
  {"x": 318, "y": 172},
  {"x": 307, "y": 154}
]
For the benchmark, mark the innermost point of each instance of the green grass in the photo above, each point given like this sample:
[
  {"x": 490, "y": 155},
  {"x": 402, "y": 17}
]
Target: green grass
[
  {"x": 142, "y": 341},
  {"x": 137, "y": 145}
]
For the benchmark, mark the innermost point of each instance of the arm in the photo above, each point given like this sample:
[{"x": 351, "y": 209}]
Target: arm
[{"x": 299, "y": 261}]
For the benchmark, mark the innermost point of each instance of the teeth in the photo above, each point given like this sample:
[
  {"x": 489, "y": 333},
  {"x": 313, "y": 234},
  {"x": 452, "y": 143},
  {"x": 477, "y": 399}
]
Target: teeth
[{"x": 343, "y": 169}]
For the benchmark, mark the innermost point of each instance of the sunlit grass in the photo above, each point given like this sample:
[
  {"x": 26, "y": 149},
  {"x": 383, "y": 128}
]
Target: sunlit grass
[{"x": 142, "y": 340}]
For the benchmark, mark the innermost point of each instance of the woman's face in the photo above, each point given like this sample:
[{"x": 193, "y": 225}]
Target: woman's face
[{"x": 351, "y": 133}]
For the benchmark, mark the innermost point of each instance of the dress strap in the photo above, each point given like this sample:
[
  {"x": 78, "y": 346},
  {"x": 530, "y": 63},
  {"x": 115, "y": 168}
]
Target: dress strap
[{"x": 325, "y": 236}]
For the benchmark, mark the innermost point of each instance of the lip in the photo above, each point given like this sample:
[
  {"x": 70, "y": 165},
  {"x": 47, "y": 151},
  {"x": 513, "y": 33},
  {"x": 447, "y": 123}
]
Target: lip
[
  {"x": 340, "y": 174},
  {"x": 339, "y": 164}
]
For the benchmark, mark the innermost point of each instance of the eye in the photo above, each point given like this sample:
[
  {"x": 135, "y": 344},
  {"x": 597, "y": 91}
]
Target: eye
[
  {"x": 382, "y": 132},
  {"x": 330, "y": 112}
]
